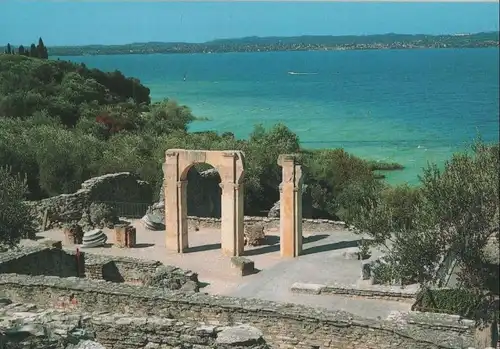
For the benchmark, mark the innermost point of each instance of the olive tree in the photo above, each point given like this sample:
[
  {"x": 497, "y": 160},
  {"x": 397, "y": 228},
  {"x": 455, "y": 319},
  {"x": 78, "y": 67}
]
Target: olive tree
[
  {"x": 454, "y": 212},
  {"x": 16, "y": 221}
]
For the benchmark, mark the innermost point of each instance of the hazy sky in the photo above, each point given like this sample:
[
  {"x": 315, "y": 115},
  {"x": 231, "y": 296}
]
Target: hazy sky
[{"x": 80, "y": 22}]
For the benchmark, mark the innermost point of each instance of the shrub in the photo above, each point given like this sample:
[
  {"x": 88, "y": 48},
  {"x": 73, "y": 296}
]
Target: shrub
[
  {"x": 450, "y": 301},
  {"x": 454, "y": 213},
  {"x": 16, "y": 220}
]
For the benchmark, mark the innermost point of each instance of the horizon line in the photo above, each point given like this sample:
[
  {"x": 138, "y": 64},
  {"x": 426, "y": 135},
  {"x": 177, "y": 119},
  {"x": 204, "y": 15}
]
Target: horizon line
[{"x": 270, "y": 37}]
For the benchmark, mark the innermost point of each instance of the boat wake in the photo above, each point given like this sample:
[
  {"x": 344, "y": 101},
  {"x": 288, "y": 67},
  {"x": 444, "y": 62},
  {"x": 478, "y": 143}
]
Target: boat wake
[{"x": 296, "y": 73}]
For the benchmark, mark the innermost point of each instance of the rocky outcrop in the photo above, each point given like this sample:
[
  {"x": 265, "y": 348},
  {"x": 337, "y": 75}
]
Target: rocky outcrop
[{"x": 121, "y": 188}]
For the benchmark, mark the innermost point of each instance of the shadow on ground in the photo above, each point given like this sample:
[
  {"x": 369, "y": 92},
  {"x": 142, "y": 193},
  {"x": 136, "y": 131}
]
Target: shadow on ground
[
  {"x": 331, "y": 247},
  {"x": 144, "y": 245},
  {"x": 273, "y": 244},
  {"x": 202, "y": 248}
]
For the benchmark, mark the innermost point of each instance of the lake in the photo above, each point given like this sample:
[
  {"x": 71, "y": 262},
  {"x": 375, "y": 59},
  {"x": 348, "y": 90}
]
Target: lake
[{"x": 405, "y": 106}]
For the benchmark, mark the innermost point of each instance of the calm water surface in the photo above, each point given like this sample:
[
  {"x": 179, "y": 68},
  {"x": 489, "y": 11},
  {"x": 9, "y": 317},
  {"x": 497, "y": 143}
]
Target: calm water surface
[{"x": 408, "y": 106}]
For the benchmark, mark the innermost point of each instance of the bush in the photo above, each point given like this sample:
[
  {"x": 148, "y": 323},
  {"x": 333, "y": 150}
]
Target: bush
[
  {"x": 453, "y": 214},
  {"x": 102, "y": 215},
  {"x": 16, "y": 220},
  {"x": 450, "y": 301}
]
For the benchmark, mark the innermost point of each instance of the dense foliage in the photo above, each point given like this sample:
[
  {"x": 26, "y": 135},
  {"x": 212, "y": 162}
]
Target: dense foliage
[
  {"x": 15, "y": 222},
  {"x": 451, "y": 301},
  {"x": 63, "y": 123},
  {"x": 452, "y": 215}
]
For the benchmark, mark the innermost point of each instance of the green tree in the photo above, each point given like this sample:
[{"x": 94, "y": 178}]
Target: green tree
[
  {"x": 42, "y": 50},
  {"x": 9, "y": 49},
  {"x": 262, "y": 173},
  {"x": 33, "y": 51},
  {"x": 166, "y": 117},
  {"x": 454, "y": 214},
  {"x": 16, "y": 220}
]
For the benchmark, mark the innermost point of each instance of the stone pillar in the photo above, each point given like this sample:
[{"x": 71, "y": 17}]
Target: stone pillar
[
  {"x": 176, "y": 218},
  {"x": 290, "y": 207},
  {"x": 176, "y": 228},
  {"x": 125, "y": 236},
  {"x": 232, "y": 237}
]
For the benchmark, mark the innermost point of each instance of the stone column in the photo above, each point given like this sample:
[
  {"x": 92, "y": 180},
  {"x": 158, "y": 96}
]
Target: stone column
[
  {"x": 290, "y": 207},
  {"x": 176, "y": 216},
  {"x": 176, "y": 228},
  {"x": 232, "y": 238}
]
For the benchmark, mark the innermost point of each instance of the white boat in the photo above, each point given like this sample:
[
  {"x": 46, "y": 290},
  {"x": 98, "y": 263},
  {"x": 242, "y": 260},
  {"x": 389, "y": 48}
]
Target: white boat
[{"x": 295, "y": 73}]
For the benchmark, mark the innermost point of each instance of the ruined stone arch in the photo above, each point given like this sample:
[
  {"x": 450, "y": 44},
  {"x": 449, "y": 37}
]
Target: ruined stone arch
[{"x": 230, "y": 165}]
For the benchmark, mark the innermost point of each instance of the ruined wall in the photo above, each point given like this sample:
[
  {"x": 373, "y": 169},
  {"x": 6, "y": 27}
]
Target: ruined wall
[
  {"x": 63, "y": 263},
  {"x": 115, "y": 187},
  {"x": 22, "y": 326},
  {"x": 283, "y": 325},
  {"x": 38, "y": 261},
  {"x": 315, "y": 225}
]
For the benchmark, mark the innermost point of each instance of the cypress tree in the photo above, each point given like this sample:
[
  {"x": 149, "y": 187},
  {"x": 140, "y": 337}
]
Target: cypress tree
[
  {"x": 33, "y": 51},
  {"x": 21, "y": 50},
  {"x": 42, "y": 50},
  {"x": 9, "y": 49}
]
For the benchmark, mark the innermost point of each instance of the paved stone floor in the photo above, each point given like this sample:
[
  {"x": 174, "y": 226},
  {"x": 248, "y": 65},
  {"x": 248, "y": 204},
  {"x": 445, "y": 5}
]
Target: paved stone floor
[{"x": 321, "y": 263}]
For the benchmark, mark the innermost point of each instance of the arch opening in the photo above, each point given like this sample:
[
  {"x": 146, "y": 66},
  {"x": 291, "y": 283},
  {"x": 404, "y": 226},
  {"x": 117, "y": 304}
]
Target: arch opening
[
  {"x": 203, "y": 191},
  {"x": 179, "y": 163}
]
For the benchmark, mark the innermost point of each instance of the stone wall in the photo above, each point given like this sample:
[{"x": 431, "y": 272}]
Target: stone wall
[
  {"x": 407, "y": 294},
  {"x": 283, "y": 325},
  {"x": 70, "y": 328},
  {"x": 315, "y": 225},
  {"x": 39, "y": 261},
  {"x": 63, "y": 263},
  {"x": 123, "y": 187}
]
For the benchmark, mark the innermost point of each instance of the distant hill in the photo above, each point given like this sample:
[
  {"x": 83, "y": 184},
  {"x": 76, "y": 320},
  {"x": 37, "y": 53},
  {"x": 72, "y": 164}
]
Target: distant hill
[
  {"x": 388, "y": 38},
  {"x": 294, "y": 43}
]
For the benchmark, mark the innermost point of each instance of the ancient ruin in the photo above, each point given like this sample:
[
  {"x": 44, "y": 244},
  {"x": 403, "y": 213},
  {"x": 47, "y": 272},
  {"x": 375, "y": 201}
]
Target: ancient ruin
[
  {"x": 230, "y": 165},
  {"x": 290, "y": 207}
]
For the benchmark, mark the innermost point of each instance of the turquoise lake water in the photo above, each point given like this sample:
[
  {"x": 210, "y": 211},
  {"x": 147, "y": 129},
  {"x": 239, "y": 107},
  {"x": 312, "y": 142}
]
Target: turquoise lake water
[{"x": 408, "y": 106}]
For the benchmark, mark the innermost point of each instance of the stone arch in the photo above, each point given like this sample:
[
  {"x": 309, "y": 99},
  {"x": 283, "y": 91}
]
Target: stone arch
[
  {"x": 290, "y": 206},
  {"x": 230, "y": 165}
]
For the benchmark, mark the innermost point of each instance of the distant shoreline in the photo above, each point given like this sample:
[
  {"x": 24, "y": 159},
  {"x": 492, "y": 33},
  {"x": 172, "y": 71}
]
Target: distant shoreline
[
  {"x": 310, "y": 50},
  {"x": 289, "y": 44}
]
